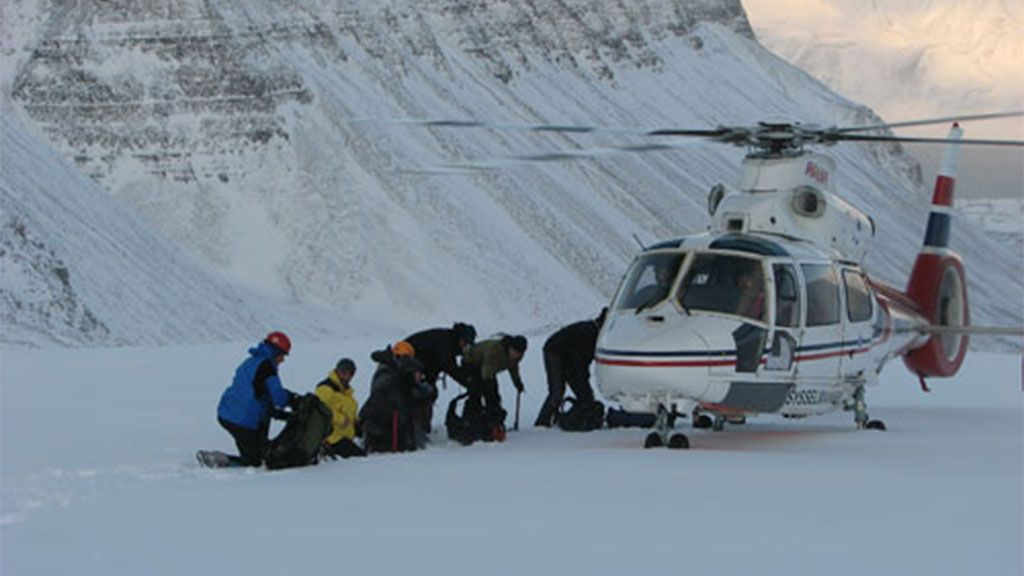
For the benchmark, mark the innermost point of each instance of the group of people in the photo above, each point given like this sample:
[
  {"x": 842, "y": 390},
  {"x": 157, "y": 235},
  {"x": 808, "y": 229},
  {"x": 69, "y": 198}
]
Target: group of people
[{"x": 398, "y": 413}]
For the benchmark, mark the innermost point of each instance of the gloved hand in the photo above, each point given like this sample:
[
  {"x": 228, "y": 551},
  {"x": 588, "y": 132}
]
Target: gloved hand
[
  {"x": 293, "y": 401},
  {"x": 422, "y": 390},
  {"x": 326, "y": 453}
]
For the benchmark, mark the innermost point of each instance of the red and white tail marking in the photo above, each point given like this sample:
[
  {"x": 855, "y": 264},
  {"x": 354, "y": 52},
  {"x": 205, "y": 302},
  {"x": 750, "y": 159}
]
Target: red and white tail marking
[{"x": 937, "y": 283}]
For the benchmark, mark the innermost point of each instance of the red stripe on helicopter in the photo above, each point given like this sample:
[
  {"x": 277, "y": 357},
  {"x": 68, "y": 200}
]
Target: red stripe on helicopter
[
  {"x": 732, "y": 362},
  {"x": 824, "y": 355},
  {"x": 668, "y": 363},
  {"x": 943, "y": 191}
]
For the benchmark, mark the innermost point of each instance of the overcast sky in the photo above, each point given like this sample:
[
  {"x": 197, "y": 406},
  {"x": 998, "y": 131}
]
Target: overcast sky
[{"x": 911, "y": 59}]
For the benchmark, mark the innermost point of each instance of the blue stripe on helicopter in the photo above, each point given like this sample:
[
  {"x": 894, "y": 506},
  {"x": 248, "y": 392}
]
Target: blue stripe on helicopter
[
  {"x": 725, "y": 353},
  {"x": 937, "y": 234}
]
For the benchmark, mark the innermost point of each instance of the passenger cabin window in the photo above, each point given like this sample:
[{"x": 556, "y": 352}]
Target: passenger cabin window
[
  {"x": 858, "y": 297},
  {"x": 787, "y": 296},
  {"x": 822, "y": 294},
  {"x": 726, "y": 284},
  {"x": 648, "y": 280}
]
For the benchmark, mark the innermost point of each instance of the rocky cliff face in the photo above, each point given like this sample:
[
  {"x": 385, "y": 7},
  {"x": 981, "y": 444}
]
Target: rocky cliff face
[
  {"x": 169, "y": 83},
  {"x": 260, "y": 136}
]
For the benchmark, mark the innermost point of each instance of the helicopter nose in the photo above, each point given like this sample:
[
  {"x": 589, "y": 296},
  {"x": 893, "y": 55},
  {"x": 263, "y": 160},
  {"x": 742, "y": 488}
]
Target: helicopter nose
[{"x": 634, "y": 362}]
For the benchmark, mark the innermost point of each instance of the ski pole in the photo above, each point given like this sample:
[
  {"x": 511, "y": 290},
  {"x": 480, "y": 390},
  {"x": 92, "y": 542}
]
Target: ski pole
[{"x": 515, "y": 425}]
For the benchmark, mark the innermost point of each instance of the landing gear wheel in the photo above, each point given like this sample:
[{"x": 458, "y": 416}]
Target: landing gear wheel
[
  {"x": 653, "y": 440},
  {"x": 679, "y": 442},
  {"x": 861, "y": 413},
  {"x": 702, "y": 421},
  {"x": 718, "y": 424}
]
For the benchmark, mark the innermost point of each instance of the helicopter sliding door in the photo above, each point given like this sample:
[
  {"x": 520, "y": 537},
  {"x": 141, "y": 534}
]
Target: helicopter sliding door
[
  {"x": 781, "y": 355},
  {"x": 858, "y": 332},
  {"x": 821, "y": 348}
]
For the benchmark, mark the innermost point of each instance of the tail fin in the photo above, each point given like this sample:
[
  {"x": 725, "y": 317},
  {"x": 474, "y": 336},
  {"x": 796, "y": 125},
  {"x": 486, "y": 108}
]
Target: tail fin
[{"x": 937, "y": 283}]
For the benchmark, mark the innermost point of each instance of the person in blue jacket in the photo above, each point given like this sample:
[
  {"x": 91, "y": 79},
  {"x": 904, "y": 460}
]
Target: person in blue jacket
[{"x": 254, "y": 395}]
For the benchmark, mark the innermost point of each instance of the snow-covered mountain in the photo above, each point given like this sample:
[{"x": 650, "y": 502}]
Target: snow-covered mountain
[
  {"x": 78, "y": 266},
  {"x": 244, "y": 132},
  {"x": 911, "y": 58},
  {"x": 1001, "y": 218}
]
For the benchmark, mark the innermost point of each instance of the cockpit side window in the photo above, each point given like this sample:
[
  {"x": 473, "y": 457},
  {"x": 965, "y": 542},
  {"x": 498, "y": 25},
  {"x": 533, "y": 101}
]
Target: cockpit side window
[
  {"x": 787, "y": 296},
  {"x": 822, "y": 294},
  {"x": 649, "y": 280},
  {"x": 726, "y": 284},
  {"x": 858, "y": 298}
]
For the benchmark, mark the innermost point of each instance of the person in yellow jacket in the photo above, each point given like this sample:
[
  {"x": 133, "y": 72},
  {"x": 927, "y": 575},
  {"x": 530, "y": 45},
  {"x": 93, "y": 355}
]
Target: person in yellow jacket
[{"x": 336, "y": 393}]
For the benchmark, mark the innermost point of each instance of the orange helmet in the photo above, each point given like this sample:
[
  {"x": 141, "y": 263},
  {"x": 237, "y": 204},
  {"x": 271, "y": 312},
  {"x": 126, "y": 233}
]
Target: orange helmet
[{"x": 402, "y": 348}]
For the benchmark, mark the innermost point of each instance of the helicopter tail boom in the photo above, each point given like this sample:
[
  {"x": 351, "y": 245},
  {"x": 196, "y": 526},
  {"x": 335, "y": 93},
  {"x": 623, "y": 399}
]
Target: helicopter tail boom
[{"x": 937, "y": 283}]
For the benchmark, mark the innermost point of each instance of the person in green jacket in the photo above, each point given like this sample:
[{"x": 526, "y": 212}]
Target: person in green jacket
[{"x": 482, "y": 363}]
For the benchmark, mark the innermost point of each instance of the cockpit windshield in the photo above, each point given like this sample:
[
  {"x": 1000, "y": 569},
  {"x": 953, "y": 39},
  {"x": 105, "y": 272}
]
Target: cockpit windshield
[
  {"x": 649, "y": 280},
  {"x": 726, "y": 284}
]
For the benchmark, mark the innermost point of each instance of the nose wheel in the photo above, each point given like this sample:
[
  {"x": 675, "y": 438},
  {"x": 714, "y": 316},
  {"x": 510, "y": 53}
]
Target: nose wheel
[{"x": 661, "y": 437}]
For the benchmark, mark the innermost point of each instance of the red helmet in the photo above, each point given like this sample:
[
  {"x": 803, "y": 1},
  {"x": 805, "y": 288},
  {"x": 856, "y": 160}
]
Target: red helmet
[{"x": 280, "y": 341}]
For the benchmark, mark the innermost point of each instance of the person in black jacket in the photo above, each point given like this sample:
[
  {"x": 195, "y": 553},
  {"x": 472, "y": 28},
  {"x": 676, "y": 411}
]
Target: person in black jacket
[
  {"x": 567, "y": 357},
  {"x": 439, "y": 350},
  {"x": 386, "y": 417}
]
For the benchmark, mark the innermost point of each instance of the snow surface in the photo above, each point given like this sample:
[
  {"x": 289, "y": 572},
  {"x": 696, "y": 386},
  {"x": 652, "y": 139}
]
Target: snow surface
[{"x": 98, "y": 477}]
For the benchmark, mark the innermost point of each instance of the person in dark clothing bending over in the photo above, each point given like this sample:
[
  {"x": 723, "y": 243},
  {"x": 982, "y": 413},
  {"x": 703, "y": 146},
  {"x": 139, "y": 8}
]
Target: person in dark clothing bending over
[
  {"x": 439, "y": 350},
  {"x": 567, "y": 357},
  {"x": 386, "y": 416},
  {"x": 253, "y": 397},
  {"x": 483, "y": 362}
]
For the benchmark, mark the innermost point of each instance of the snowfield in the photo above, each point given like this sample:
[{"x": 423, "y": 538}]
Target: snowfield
[
  {"x": 200, "y": 172},
  {"x": 99, "y": 478}
]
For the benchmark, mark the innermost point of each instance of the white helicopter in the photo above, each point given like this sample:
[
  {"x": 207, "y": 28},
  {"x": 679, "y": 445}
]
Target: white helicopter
[{"x": 769, "y": 312}]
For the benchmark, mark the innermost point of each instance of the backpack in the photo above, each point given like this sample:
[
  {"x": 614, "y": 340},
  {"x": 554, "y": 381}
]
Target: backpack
[
  {"x": 392, "y": 431},
  {"x": 581, "y": 416},
  {"x": 387, "y": 419},
  {"x": 624, "y": 419},
  {"x": 468, "y": 428},
  {"x": 299, "y": 442}
]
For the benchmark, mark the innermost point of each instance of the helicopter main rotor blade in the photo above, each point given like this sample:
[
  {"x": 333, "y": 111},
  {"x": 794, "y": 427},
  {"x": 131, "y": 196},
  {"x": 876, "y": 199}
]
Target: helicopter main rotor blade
[
  {"x": 976, "y": 330},
  {"x": 477, "y": 167},
  {"x": 687, "y": 132},
  {"x": 457, "y": 123},
  {"x": 927, "y": 121},
  {"x": 590, "y": 153},
  {"x": 868, "y": 138}
]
